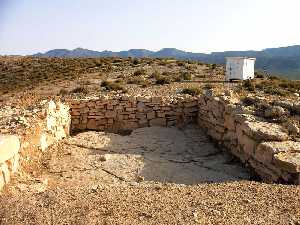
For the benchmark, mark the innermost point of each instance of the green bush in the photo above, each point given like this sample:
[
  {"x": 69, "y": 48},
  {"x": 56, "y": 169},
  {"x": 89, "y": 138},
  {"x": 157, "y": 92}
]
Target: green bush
[
  {"x": 139, "y": 72},
  {"x": 112, "y": 86},
  {"x": 139, "y": 81},
  {"x": 258, "y": 75},
  {"x": 249, "y": 85},
  {"x": 156, "y": 75},
  {"x": 63, "y": 92},
  {"x": 80, "y": 89},
  {"x": 186, "y": 76},
  {"x": 162, "y": 81},
  {"x": 191, "y": 91},
  {"x": 136, "y": 61},
  {"x": 275, "y": 91}
]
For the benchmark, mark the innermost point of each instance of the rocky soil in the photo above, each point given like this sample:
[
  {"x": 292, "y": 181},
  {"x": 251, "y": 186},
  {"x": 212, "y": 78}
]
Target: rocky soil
[{"x": 151, "y": 176}]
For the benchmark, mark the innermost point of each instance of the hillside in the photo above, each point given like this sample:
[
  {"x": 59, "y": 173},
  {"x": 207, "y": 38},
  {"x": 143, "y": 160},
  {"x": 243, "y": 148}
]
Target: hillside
[{"x": 283, "y": 61}]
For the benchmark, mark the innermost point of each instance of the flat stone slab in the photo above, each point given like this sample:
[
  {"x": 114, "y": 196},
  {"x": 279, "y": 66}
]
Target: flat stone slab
[
  {"x": 9, "y": 147},
  {"x": 265, "y": 131},
  {"x": 288, "y": 161},
  {"x": 266, "y": 150}
]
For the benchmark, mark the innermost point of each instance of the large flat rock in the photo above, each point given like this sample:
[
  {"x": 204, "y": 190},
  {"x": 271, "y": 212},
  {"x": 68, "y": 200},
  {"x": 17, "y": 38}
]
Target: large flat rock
[
  {"x": 264, "y": 131},
  {"x": 9, "y": 147},
  {"x": 266, "y": 150},
  {"x": 288, "y": 161}
]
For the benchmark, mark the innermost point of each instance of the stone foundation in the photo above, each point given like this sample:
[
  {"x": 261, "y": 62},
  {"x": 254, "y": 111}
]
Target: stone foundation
[{"x": 266, "y": 147}]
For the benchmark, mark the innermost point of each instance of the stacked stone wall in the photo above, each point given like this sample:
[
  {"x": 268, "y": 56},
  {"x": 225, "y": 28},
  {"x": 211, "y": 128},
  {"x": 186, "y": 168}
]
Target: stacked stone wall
[
  {"x": 131, "y": 113},
  {"x": 264, "y": 146}
]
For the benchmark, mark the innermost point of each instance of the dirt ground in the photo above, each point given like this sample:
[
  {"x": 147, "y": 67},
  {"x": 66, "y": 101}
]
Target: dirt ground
[{"x": 151, "y": 176}]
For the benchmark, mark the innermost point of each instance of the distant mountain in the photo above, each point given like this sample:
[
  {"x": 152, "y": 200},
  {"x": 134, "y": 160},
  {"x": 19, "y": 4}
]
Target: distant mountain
[{"x": 282, "y": 61}]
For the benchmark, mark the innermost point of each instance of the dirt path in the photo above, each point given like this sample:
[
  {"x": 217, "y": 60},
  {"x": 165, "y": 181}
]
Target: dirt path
[{"x": 153, "y": 176}]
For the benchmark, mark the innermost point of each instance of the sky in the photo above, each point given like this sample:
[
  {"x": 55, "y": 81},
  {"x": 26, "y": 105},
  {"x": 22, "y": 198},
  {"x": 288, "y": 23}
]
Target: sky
[{"x": 31, "y": 26}]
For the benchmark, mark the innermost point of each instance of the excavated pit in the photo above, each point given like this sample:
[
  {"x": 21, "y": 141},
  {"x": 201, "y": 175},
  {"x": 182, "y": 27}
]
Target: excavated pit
[{"x": 152, "y": 154}]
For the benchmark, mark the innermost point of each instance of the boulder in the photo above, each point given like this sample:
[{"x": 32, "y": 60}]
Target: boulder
[
  {"x": 266, "y": 150},
  {"x": 9, "y": 147}
]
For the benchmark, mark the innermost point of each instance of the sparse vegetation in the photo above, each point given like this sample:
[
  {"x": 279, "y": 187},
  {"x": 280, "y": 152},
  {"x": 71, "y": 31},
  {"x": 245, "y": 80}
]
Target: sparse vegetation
[
  {"x": 112, "y": 86},
  {"x": 186, "y": 76},
  {"x": 191, "y": 91},
  {"x": 139, "y": 72},
  {"x": 81, "y": 90},
  {"x": 162, "y": 81},
  {"x": 63, "y": 92}
]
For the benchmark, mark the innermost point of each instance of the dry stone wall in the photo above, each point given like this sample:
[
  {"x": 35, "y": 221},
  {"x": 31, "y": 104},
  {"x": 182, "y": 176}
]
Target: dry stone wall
[
  {"x": 132, "y": 112},
  {"x": 52, "y": 124},
  {"x": 264, "y": 146}
]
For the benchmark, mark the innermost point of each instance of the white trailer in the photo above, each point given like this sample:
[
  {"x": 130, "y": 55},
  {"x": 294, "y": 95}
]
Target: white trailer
[{"x": 239, "y": 68}]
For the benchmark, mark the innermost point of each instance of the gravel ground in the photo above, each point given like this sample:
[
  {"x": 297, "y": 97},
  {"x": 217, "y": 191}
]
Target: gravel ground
[
  {"x": 153, "y": 176},
  {"x": 226, "y": 203}
]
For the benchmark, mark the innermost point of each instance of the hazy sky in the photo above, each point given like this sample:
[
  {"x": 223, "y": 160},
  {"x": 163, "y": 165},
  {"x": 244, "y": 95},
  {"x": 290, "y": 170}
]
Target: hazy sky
[{"x": 30, "y": 26}]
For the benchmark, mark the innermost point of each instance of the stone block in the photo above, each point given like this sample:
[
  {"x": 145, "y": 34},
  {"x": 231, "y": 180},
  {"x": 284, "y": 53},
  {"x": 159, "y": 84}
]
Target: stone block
[
  {"x": 288, "y": 161},
  {"x": 190, "y": 104},
  {"x": 266, "y": 150},
  {"x": 150, "y": 115},
  {"x": 110, "y": 121},
  {"x": 109, "y": 107},
  {"x": 161, "y": 122},
  {"x": 132, "y": 116},
  {"x": 75, "y": 113},
  {"x": 9, "y": 147},
  {"x": 248, "y": 145},
  {"x": 264, "y": 172},
  {"x": 141, "y": 116},
  {"x": 160, "y": 114},
  {"x": 130, "y": 109},
  {"x": 264, "y": 131},
  {"x": 229, "y": 122},
  {"x": 110, "y": 114},
  {"x": 92, "y": 124}
]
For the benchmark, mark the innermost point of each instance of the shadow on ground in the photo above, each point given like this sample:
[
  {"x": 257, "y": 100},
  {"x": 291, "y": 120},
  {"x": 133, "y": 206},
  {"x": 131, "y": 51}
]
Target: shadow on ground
[{"x": 155, "y": 154}]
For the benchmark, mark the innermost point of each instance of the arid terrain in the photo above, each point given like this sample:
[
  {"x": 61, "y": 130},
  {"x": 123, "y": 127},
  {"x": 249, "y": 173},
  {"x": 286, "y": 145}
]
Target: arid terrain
[{"x": 177, "y": 174}]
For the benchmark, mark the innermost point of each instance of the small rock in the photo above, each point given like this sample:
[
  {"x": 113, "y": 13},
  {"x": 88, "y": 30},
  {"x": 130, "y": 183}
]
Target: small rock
[
  {"x": 103, "y": 158},
  {"x": 140, "y": 179}
]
